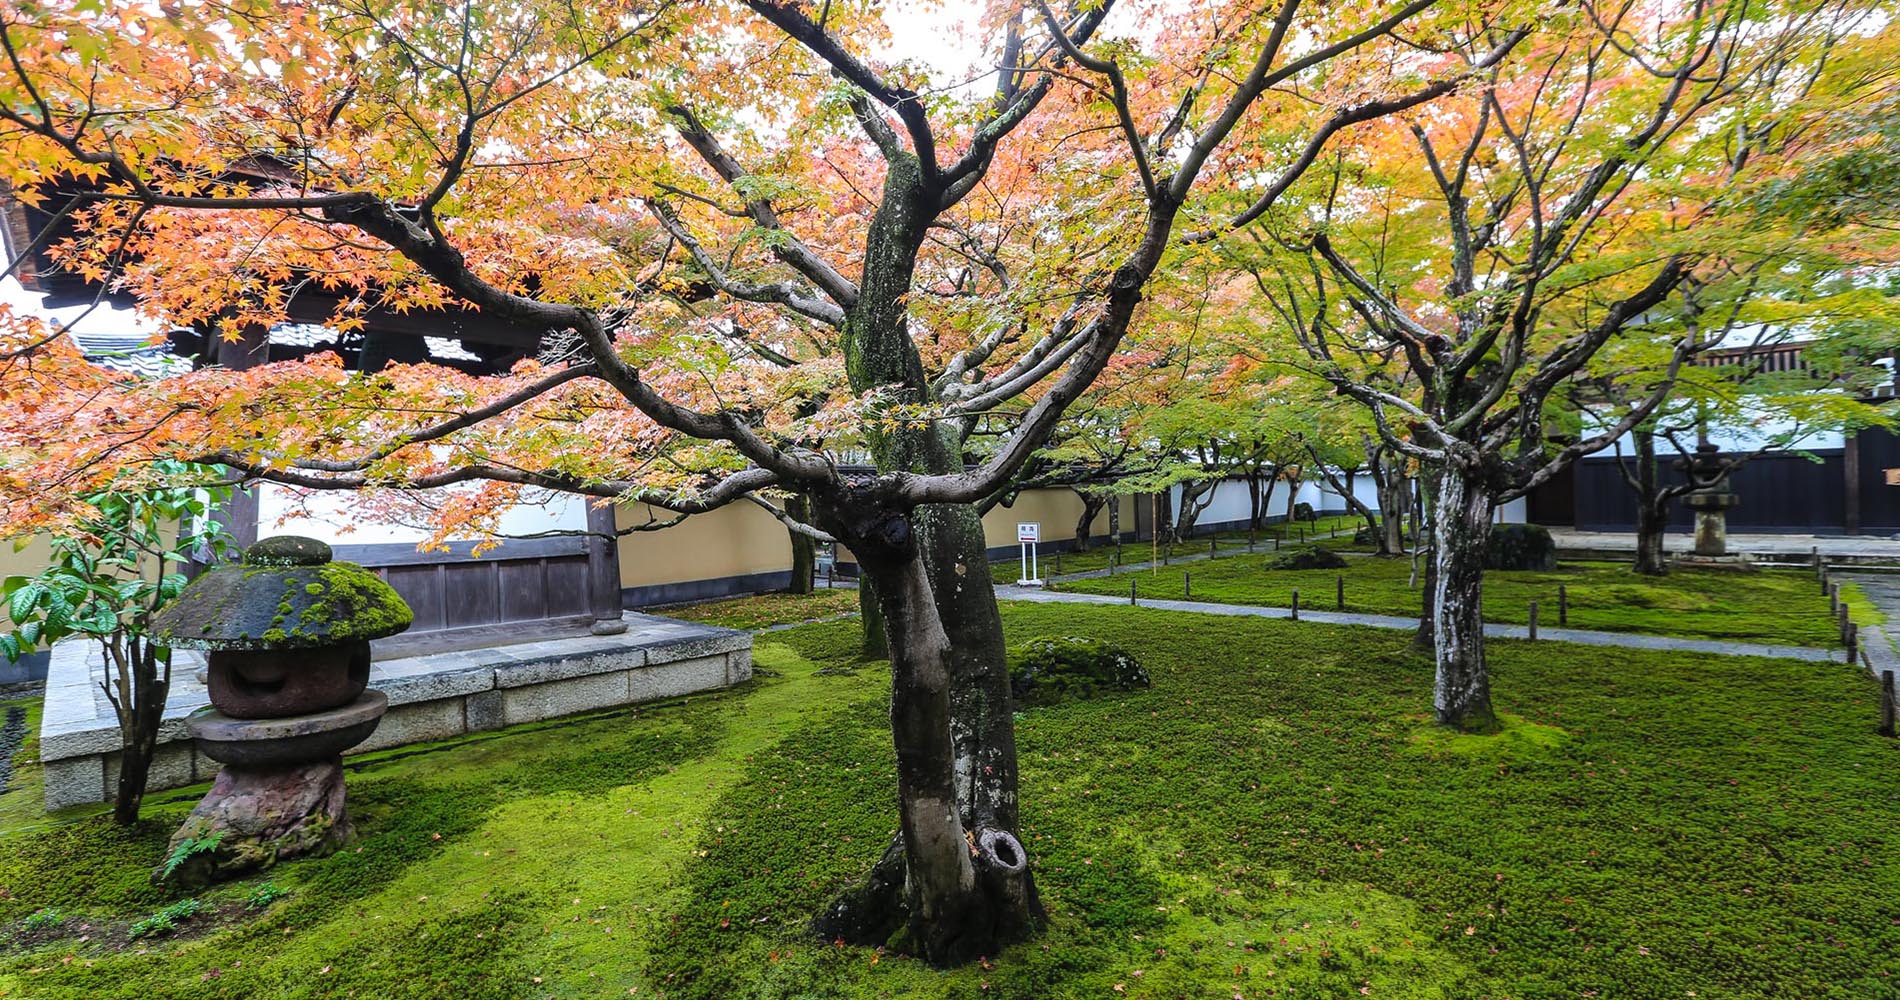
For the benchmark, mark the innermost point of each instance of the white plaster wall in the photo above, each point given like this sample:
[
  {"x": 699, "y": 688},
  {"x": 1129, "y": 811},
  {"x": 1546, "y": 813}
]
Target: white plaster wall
[{"x": 339, "y": 517}]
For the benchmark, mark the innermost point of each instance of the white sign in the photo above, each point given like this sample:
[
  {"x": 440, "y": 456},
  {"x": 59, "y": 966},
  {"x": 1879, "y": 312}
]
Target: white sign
[{"x": 1028, "y": 533}]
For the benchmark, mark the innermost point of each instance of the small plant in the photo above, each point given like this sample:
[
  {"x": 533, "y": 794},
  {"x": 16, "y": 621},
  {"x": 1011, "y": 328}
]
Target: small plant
[
  {"x": 44, "y": 917},
  {"x": 166, "y": 920},
  {"x": 185, "y": 849},
  {"x": 264, "y": 895}
]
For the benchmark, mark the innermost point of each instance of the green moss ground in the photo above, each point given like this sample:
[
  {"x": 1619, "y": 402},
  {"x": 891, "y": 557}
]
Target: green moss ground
[
  {"x": 1010, "y": 569},
  {"x": 763, "y": 610},
  {"x": 1778, "y": 607},
  {"x": 1275, "y": 817}
]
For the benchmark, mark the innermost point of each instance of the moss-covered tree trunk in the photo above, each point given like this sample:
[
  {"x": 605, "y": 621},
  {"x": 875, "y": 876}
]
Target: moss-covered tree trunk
[
  {"x": 804, "y": 547},
  {"x": 1461, "y": 529},
  {"x": 957, "y": 879},
  {"x": 950, "y": 700}
]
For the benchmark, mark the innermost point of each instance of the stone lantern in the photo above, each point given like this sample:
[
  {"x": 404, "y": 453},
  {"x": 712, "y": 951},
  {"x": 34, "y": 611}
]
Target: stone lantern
[
  {"x": 287, "y": 636},
  {"x": 1710, "y": 500}
]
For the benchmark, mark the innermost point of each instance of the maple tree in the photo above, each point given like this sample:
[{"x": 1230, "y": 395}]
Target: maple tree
[
  {"x": 1456, "y": 267},
  {"x": 763, "y": 244}
]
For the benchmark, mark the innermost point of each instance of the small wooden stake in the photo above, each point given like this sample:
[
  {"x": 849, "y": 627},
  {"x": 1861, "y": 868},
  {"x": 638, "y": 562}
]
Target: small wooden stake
[
  {"x": 1533, "y": 619},
  {"x": 1187, "y": 586},
  {"x": 1841, "y": 613},
  {"x": 1853, "y": 642},
  {"x": 1296, "y": 605},
  {"x": 1210, "y": 548},
  {"x": 1563, "y": 605},
  {"x": 1887, "y": 707},
  {"x": 1340, "y": 599},
  {"x": 1058, "y": 571},
  {"x": 1834, "y": 599},
  {"x": 1131, "y": 590}
]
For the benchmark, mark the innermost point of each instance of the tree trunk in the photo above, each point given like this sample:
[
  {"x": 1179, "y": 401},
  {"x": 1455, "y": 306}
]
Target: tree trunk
[
  {"x": 1423, "y": 555},
  {"x": 1192, "y": 506},
  {"x": 1652, "y": 507},
  {"x": 1652, "y": 520},
  {"x": 1461, "y": 527},
  {"x": 966, "y": 889},
  {"x": 1394, "y": 503},
  {"x": 874, "y": 643},
  {"x": 1091, "y": 509},
  {"x": 804, "y": 547},
  {"x": 140, "y": 712}
]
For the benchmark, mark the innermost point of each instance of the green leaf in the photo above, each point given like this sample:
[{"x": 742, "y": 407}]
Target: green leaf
[{"x": 21, "y": 603}]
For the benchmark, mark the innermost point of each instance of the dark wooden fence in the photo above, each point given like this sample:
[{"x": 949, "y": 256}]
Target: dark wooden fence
[
  {"x": 525, "y": 580},
  {"x": 1837, "y": 490}
]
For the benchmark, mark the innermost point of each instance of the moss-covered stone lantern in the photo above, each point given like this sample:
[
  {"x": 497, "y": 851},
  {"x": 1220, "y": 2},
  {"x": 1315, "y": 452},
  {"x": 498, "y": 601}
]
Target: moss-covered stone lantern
[{"x": 287, "y": 634}]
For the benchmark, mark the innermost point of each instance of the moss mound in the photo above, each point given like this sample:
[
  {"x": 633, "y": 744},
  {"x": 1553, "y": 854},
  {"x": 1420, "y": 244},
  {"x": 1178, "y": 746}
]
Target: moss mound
[
  {"x": 1520, "y": 546},
  {"x": 1317, "y": 557},
  {"x": 1053, "y": 669}
]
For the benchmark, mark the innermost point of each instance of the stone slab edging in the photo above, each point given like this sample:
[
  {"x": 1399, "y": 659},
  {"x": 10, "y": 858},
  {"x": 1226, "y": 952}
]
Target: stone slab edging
[{"x": 431, "y": 697}]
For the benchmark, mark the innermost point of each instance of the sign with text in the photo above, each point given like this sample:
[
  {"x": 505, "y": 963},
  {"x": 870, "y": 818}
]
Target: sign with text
[{"x": 1029, "y": 531}]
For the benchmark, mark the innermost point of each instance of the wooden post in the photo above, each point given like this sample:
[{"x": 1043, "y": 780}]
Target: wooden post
[
  {"x": 1850, "y": 484},
  {"x": 1187, "y": 586},
  {"x": 1886, "y": 703},
  {"x": 1853, "y": 642},
  {"x": 1814, "y": 552},
  {"x": 1058, "y": 564},
  {"x": 1533, "y": 619},
  {"x": 1833, "y": 598},
  {"x": 1823, "y": 579},
  {"x": 603, "y": 569},
  {"x": 1296, "y": 605},
  {"x": 1563, "y": 605},
  {"x": 1841, "y": 613},
  {"x": 1211, "y": 551},
  {"x": 1276, "y": 543},
  {"x": 1131, "y": 591},
  {"x": 1339, "y": 600}
]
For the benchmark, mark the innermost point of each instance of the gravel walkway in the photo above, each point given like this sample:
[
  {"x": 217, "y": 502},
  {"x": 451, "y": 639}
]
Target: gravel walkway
[{"x": 1581, "y": 636}]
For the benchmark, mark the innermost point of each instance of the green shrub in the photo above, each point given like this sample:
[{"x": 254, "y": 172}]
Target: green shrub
[
  {"x": 1520, "y": 546},
  {"x": 45, "y": 916},
  {"x": 1051, "y": 669},
  {"x": 1317, "y": 557},
  {"x": 264, "y": 895},
  {"x": 166, "y": 920},
  {"x": 1304, "y": 512}
]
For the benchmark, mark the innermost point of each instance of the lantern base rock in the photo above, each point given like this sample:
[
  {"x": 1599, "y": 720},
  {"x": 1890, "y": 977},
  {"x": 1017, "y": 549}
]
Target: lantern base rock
[{"x": 256, "y": 817}]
